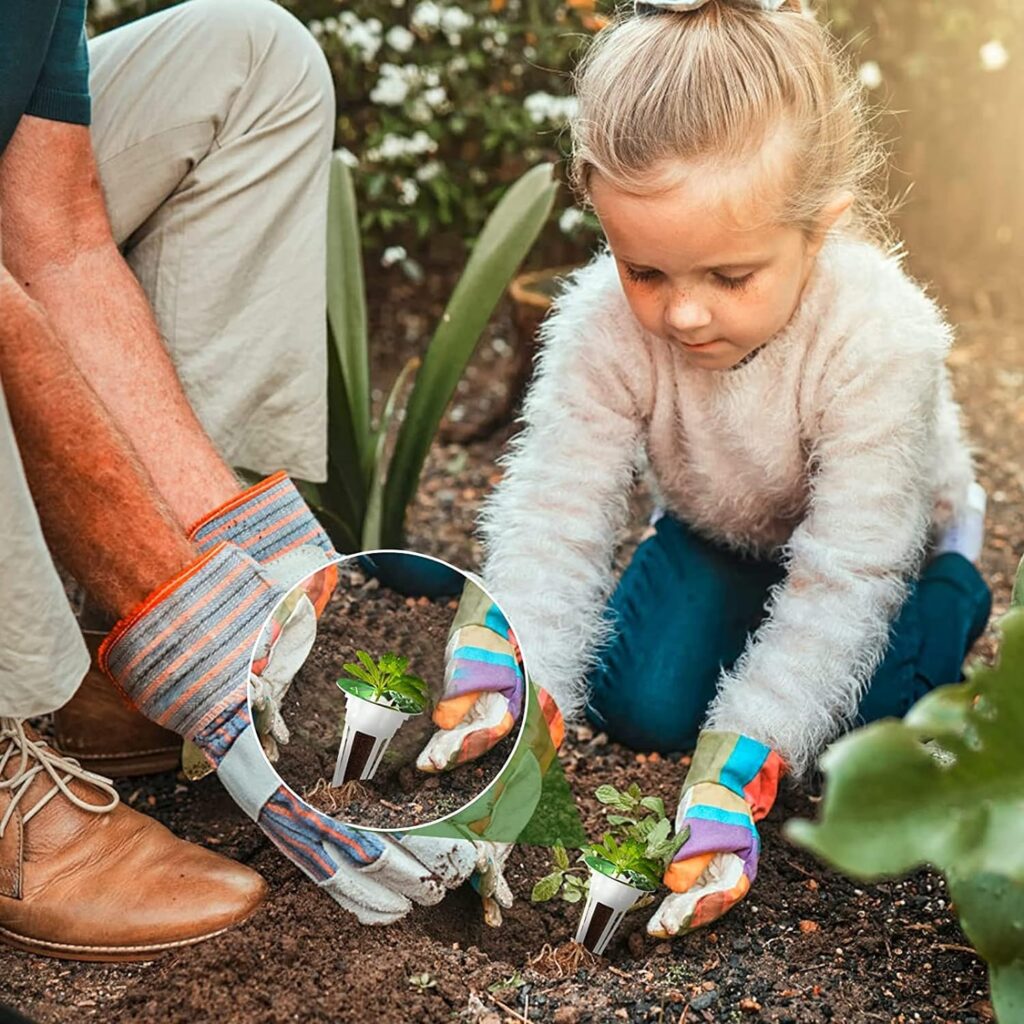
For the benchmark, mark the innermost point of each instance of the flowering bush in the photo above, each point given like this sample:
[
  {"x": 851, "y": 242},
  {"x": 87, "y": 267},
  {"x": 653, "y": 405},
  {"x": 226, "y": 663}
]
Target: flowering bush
[{"x": 442, "y": 104}]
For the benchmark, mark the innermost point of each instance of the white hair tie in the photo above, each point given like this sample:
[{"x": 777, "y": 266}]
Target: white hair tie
[{"x": 692, "y": 5}]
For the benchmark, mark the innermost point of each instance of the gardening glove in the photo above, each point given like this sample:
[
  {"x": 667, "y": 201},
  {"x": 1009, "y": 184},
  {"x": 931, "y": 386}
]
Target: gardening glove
[
  {"x": 182, "y": 659},
  {"x": 731, "y": 784},
  {"x": 482, "y": 693},
  {"x": 274, "y": 525}
]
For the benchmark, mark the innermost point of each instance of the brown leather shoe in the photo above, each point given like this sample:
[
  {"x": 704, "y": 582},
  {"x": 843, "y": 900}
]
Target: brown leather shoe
[
  {"x": 84, "y": 877},
  {"x": 99, "y": 730}
]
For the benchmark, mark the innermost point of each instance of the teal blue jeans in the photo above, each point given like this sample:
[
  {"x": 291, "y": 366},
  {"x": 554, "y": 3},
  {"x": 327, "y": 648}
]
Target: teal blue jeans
[{"x": 685, "y": 608}]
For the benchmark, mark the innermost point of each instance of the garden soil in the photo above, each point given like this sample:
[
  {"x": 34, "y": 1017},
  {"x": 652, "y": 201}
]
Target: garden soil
[
  {"x": 364, "y": 615},
  {"x": 806, "y": 946}
]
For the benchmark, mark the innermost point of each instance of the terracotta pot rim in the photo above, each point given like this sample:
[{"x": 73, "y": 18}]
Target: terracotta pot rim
[{"x": 518, "y": 289}]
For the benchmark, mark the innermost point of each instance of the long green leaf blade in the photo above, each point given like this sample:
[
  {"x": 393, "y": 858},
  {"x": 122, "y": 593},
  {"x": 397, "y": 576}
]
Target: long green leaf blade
[
  {"x": 503, "y": 243},
  {"x": 346, "y": 299}
]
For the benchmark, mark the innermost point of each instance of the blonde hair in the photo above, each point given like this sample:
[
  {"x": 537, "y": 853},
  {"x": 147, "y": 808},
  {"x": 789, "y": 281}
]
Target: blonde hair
[{"x": 718, "y": 88}]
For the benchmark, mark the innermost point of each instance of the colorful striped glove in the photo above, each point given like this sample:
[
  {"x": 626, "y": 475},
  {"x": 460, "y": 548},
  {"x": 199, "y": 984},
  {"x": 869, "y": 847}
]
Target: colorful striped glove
[
  {"x": 731, "y": 784},
  {"x": 272, "y": 523},
  {"x": 182, "y": 659},
  {"x": 482, "y": 695}
]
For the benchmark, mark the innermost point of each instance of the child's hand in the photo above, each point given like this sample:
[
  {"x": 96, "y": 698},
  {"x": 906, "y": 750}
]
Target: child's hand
[
  {"x": 731, "y": 784},
  {"x": 482, "y": 694}
]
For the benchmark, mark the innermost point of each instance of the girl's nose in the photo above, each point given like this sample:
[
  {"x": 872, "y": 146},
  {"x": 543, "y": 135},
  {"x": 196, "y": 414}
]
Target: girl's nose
[{"x": 684, "y": 312}]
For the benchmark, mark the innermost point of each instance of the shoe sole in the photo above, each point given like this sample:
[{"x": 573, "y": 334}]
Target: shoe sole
[{"x": 110, "y": 954}]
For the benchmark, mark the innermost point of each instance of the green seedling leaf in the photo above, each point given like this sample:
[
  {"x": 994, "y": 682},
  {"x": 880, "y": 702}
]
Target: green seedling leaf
[
  {"x": 561, "y": 857},
  {"x": 943, "y": 787},
  {"x": 573, "y": 895},
  {"x": 619, "y": 819},
  {"x": 547, "y": 888},
  {"x": 608, "y": 795},
  {"x": 422, "y": 981},
  {"x": 654, "y": 803}
]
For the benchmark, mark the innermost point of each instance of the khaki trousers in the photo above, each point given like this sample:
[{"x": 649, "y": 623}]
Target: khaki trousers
[{"x": 212, "y": 128}]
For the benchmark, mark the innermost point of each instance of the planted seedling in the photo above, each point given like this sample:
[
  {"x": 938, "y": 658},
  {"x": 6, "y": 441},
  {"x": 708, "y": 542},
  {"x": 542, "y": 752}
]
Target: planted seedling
[
  {"x": 380, "y": 696},
  {"x": 613, "y": 874}
]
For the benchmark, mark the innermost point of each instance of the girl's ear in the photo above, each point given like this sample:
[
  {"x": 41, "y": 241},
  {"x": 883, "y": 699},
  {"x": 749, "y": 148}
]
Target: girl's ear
[
  {"x": 838, "y": 212},
  {"x": 835, "y": 214}
]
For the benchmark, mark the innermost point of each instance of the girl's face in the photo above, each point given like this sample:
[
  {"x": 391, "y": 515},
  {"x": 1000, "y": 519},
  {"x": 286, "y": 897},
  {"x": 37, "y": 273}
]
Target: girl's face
[{"x": 714, "y": 282}]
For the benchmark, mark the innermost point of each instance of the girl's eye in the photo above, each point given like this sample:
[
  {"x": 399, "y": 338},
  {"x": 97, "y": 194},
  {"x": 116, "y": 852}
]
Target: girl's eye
[
  {"x": 641, "y": 276},
  {"x": 734, "y": 282}
]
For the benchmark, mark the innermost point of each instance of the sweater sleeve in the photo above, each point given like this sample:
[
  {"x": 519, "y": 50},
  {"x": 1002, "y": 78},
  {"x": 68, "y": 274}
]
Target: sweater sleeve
[
  {"x": 871, "y": 445},
  {"x": 550, "y": 525}
]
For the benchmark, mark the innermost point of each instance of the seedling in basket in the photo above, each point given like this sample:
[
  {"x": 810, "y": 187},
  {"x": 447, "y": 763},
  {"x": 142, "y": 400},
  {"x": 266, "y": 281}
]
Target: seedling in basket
[
  {"x": 380, "y": 697},
  {"x": 627, "y": 864}
]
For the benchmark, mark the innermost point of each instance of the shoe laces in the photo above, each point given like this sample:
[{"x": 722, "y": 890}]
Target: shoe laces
[{"x": 36, "y": 757}]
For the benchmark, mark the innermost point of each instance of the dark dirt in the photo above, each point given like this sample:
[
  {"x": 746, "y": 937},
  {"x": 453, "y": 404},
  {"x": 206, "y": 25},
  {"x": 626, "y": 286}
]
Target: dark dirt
[
  {"x": 806, "y": 946},
  {"x": 364, "y": 615}
]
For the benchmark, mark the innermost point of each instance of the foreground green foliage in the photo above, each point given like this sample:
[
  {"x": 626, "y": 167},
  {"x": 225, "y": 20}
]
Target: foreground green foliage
[
  {"x": 372, "y": 475},
  {"x": 944, "y": 787},
  {"x": 385, "y": 679},
  {"x": 637, "y": 849}
]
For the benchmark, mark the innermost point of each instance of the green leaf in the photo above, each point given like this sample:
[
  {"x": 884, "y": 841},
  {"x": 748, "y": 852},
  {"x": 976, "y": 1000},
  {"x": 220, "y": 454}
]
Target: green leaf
[
  {"x": 619, "y": 819},
  {"x": 503, "y": 243},
  {"x": 370, "y": 664},
  {"x": 658, "y": 835},
  {"x": 654, "y": 803},
  {"x": 371, "y": 536},
  {"x": 346, "y": 300},
  {"x": 572, "y": 895},
  {"x": 547, "y": 887},
  {"x": 608, "y": 795},
  {"x": 1017, "y": 600},
  {"x": 358, "y": 672},
  {"x": 561, "y": 857}
]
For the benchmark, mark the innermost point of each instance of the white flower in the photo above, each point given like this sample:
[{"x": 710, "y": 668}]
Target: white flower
[
  {"x": 395, "y": 147},
  {"x": 426, "y": 15},
  {"x": 347, "y": 157},
  {"x": 408, "y": 192},
  {"x": 436, "y": 97},
  {"x": 994, "y": 56},
  {"x": 316, "y": 27},
  {"x": 105, "y": 8},
  {"x": 572, "y": 217},
  {"x": 390, "y": 91},
  {"x": 455, "y": 20},
  {"x": 331, "y": 25},
  {"x": 542, "y": 106},
  {"x": 393, "y": 254},
  {"x": 870, "y": 74},
  {"x": 457, "y": 64},
  {"x": 400, "y": 38},
  {"x": 431, "y": 169},
  {"x": 363, "y": 36}
]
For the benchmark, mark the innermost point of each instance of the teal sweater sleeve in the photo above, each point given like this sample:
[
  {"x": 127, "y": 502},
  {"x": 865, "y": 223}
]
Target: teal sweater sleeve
[{"x": 44, "y": 63}]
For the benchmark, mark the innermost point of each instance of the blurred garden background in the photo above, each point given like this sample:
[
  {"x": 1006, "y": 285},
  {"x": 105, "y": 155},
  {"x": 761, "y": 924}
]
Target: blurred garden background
[{"x": 442, "y": 105}]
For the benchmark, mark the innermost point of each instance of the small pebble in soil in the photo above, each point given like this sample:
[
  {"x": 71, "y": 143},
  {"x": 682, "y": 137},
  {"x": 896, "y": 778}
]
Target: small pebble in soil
[{"x": 703, "y": 1001}]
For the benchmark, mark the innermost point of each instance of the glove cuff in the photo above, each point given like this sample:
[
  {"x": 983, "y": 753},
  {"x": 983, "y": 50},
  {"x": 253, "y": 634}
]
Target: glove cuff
[
  {"x": 182, "y": 657},
  {"x": 267, "y": 521},
  {"x": 744, "y": 766}
]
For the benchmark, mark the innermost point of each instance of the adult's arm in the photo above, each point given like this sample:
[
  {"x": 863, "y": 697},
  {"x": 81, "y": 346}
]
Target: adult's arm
[{"x": 59, "y": 248}]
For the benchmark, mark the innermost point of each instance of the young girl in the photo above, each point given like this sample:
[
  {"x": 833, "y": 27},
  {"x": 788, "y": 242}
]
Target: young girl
[{"x": 753, "y": 338}]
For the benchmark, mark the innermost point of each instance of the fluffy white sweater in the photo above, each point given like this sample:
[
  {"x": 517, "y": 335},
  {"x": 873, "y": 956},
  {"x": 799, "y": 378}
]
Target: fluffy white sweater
[{"x": 838, "y": 445}]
